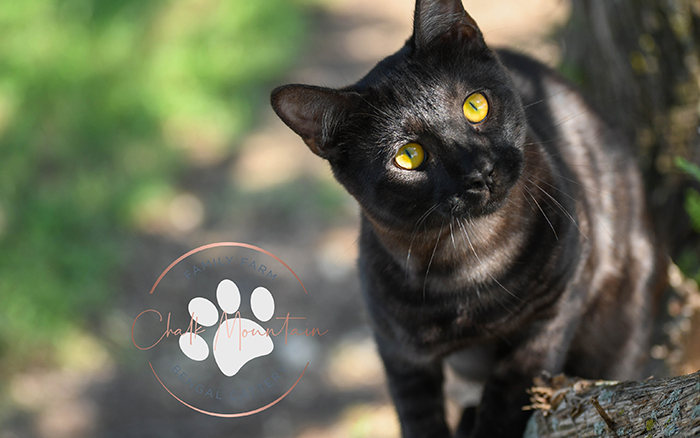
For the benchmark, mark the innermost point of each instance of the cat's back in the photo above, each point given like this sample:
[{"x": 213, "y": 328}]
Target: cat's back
[
  {"x": 559, "y": 113},
  {"x": 599, "y": 187},
  {"x": 593, "y": 162}
]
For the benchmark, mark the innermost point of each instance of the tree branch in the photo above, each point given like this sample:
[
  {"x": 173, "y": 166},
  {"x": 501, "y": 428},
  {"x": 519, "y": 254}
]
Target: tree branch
[{"x": 571, "y": 407}]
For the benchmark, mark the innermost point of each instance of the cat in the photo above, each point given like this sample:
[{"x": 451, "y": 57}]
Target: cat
[{"x": 503, "y": 223}]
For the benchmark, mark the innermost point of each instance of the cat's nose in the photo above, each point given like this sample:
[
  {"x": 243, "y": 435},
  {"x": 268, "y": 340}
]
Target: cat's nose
[{"x": 479, "y": 179}]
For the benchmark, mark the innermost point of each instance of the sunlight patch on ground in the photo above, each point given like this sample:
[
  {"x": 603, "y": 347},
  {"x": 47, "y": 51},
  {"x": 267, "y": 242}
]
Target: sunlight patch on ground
[
  {"x": 364, "y": 420},
  {"x": 186, "y": 212},
  {"x": 355, "y": 364},
  {"x": 337, "y": 251},
  {"x": 82, "y": 352},
  {"x": 362, "y": 45},
  {"x": 204, "y": 144},
  {"x": 524, "y": 26},
  {"x": 266, "y": 162},
  {"x": 149, "y": 208},
  {"x": 70, "y": 419},
  {"x": 272, "y": 157},
  {"x": 161, "y": 210},
  {"x": 60, "y": 400}
]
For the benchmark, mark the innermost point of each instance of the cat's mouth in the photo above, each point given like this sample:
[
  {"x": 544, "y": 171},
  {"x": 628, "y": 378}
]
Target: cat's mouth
[{"x": 471, "y": 202}]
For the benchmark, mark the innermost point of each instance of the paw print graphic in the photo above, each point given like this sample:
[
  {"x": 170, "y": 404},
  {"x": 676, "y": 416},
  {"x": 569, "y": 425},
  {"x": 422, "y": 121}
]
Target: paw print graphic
[{"x": 229, "y": 355}]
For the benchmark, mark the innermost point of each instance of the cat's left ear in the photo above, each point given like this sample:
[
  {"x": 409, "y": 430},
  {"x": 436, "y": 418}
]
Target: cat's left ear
[
  {"x": 312, "y": 112},
  {"x": 444, "y": 21}
]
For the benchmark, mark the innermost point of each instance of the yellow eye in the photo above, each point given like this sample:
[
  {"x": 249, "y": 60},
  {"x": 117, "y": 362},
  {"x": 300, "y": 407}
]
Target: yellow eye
[
  {"x": 410, "y": 156},
  {"x": 476, "y": 108}
]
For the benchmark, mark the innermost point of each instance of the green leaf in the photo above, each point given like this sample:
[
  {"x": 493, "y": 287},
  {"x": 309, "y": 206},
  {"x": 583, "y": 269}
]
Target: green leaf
[
  {"x": 692, "y": 206},
  {"x": 688, "y": 167}
]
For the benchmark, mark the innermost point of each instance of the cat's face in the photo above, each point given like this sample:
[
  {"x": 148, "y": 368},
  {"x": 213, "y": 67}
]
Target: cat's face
[{"x": 432, "y": 133}]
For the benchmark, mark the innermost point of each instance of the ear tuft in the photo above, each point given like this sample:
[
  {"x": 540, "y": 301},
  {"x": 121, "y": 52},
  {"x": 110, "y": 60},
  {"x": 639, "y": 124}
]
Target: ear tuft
[{"x": 310, "y": 111}]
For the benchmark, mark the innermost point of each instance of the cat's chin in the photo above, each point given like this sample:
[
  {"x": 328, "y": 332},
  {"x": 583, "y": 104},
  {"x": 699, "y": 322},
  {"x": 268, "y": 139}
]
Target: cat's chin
[{"x": 471, "y": 205}]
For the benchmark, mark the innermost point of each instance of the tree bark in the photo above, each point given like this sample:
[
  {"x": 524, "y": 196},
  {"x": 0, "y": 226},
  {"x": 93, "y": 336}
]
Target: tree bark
[{"x": 576, "y": 408}]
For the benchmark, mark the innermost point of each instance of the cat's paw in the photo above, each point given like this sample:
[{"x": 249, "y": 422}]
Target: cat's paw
[{"x": 237, "y": 340}]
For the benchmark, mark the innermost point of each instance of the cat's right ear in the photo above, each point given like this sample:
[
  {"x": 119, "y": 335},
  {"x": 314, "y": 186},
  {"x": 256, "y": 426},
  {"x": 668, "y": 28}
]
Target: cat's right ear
[{"x": 312, "y": 112}]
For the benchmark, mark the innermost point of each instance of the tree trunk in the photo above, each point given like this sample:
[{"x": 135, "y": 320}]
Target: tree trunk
[{"x": 578, "y": 408}]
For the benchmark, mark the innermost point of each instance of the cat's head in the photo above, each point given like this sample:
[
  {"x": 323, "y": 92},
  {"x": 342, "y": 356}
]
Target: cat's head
[{"x": 436, "y": 129}]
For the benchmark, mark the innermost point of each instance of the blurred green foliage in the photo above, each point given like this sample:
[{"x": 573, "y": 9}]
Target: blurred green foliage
[
  {"x": 690, "y": 260},
  {"x": 101, "y": 105}
]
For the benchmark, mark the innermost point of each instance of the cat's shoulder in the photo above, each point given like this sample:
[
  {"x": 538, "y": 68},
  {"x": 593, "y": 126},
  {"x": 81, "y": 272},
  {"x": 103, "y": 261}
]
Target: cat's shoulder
[
  {"x": 522, "y": 64},
  {"x": 533, "y": 79},
  {"x": 550, "y": 100}
]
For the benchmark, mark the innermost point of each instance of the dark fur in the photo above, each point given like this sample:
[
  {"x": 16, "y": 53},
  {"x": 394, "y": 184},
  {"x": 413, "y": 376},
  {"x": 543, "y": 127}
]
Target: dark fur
[{"x": 548, "y": 266}]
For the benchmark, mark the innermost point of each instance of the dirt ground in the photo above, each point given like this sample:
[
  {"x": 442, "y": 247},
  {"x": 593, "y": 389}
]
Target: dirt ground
[{"x": 275, "y": 194}]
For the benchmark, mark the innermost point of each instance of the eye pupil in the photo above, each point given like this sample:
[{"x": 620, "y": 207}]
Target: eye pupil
[
  {"x": 476, "y": 108},
  {"x": 410, "y": 156}
]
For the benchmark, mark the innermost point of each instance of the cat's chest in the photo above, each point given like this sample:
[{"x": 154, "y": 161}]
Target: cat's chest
[
  {"x": 451, "y": 303},
  {"x": 439, "y": 324},
  {"x": 452, "y": 325}
]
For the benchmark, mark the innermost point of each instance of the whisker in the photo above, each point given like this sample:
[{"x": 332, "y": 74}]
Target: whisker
[
  {"x": 543, "y": 213},
  {"x": 558, "y": 204},
  {"x": 562, "y": 121},
  {"x": 558, "y": 189},
  {"x": 466, "y": 234},
  {"x": 420, "y": 221},
  {"x": 452, "y": 236},
  {"x": 520, "y": 192},
  {"x": 560, "y": 139},
  {"x": 558, "y": 175},
  {"x": 427, "y": 271},
  {"x": 595, "y": 216},
  {"x": 533, "y": 103}
]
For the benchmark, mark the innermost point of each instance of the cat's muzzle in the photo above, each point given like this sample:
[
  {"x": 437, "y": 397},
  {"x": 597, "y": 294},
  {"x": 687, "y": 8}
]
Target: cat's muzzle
[{"x": 471, "y": 202}]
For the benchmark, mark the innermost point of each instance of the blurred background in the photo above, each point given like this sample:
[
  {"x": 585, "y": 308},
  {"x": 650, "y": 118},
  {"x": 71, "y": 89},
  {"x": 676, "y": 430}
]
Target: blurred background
[{"x": 133, "y": 131}]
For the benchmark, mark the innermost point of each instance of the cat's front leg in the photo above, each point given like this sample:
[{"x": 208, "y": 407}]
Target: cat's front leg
[
  {"x": 416, "y": 389},
  {"x": 542, "y": 347},
  {"x": 500, "y": 413}
]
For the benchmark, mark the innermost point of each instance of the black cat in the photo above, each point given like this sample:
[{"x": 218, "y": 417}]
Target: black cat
[{"x": 503, "y": 222}]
